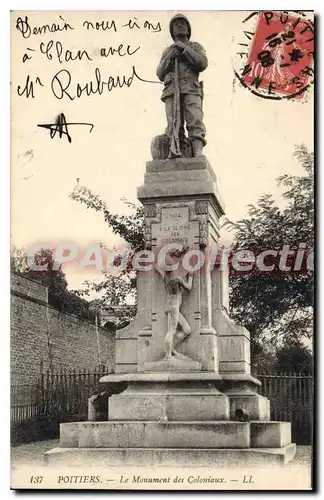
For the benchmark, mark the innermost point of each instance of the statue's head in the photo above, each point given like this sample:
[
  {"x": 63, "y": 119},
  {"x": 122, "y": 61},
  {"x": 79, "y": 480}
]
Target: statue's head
[
  {"x": 179, "y": 252},
  {"x": 180, "y": 26}
]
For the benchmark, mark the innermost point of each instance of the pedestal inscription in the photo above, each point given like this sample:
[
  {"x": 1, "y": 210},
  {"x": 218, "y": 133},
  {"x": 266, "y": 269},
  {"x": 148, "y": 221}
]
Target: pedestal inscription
[{"x": 174, "y": 224}]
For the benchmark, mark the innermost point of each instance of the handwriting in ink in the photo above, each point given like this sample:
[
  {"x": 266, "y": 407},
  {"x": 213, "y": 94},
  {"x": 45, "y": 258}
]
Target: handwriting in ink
[
  {"x": 58, "y": 51},
  {"x": 120, "y": 51},
  {"x": 62, "y": 54},
  {"x": 27, "y": 57},
  {"x": 61, "y": 84},
  {"x": 147, "y": 25},
  {"x": 28, "y": 90},
  {"x": 103, "y": 25},
  {"x": 131, "y": 24},
  {"x": 23, "y": 26},
  {"x": 61, "y": 127}
]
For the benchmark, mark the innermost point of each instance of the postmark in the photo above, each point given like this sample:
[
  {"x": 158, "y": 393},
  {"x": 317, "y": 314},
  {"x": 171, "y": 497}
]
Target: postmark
[{"x": 274, "y": 56}]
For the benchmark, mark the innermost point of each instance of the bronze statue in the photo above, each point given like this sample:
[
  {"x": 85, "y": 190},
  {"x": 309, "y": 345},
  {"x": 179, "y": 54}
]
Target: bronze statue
[
  {"x": 179, "y": 69},
  {"x": 178, "y": 327}
]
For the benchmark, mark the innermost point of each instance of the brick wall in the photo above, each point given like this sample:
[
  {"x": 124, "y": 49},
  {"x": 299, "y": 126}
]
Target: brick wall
[{"x": 40, "y": 333}]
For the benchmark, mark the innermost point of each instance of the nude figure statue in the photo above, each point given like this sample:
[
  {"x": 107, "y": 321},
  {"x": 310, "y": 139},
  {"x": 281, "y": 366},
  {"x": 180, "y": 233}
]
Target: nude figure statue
[{"x": 178, "y": 327}]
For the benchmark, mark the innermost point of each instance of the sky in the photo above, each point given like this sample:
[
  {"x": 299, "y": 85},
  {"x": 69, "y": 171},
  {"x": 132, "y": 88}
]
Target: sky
[{"x": 250, "y": 140}]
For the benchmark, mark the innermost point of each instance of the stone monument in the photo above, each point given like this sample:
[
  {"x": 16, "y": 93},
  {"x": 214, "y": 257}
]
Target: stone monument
[{"x": 190, "y": 396}]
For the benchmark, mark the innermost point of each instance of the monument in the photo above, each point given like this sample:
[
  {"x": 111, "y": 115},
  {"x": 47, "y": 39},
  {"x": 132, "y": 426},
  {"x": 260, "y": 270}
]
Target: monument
[{"x": 190, "y": 396}]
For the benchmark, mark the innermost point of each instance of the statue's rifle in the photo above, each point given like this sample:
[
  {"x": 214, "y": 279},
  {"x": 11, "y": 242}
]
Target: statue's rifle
[{"x": 175, "y": 151}]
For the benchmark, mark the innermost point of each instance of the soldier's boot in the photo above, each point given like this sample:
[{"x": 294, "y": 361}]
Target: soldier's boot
[{"x": 197, "y": 146}]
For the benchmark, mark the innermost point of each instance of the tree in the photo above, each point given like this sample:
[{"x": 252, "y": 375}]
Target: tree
[
  {"x": 120, "y": 288},
  {"x": 59, "y": 296},
  {"x": 277, "y": 306},
  {"x": 271, "y": 307},
  {"x": 294, "y": 357},
  {"x": 18, "y": 260}
]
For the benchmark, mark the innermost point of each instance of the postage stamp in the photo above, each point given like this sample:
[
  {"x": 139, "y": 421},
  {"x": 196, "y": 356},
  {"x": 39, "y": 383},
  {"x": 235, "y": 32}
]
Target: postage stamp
[{"x": 279, "y": 55}]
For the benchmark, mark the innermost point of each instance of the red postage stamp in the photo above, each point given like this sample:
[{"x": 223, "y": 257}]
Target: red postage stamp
[{"x": 281, "y": 56}]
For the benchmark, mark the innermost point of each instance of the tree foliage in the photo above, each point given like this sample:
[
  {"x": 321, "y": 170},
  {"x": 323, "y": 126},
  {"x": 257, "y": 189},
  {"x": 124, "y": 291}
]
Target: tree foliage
[
  {"x": 118, "y": 288},
  {"x": 279, "y": 304},
  {"x": 18, "y": 260},
  {"x": 294, "y": 357},
  {"x": 128, "y": 227}
]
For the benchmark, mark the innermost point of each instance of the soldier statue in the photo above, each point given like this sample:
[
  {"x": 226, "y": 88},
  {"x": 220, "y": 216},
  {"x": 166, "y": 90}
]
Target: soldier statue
[{"x": 179, "y": 70}]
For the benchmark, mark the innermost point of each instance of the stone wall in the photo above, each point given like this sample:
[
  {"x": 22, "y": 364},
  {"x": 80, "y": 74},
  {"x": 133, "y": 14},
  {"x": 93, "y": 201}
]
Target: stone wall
[{"x": 40, "y": 333}]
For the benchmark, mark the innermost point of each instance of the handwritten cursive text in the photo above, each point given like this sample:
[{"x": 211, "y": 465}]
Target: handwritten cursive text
[
  {"x": 63, "y": 86},
  {"x": 23, "y": 26}
]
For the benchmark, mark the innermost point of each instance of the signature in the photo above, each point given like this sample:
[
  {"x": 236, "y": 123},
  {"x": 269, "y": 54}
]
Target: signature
[{"x": 61, "y": 127}]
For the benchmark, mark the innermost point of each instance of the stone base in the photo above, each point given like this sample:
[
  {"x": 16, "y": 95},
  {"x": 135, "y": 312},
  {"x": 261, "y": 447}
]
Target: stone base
[
  {"x": 157, "y": 435},
  {"x": 243, "y": 395},
  {"x": 185, "y": 396},
  {"x": 173, "y": 365},
  {"x": 176, "y": 434},
  {"x": 228, "y": 378},
  {"x": 212, "y": 458},
  {"x": 256, "y": 406},
  {"x": 180, "y": 177},
  {"x": 270, "y": 434},
  {"x": 170, "y": 401}
]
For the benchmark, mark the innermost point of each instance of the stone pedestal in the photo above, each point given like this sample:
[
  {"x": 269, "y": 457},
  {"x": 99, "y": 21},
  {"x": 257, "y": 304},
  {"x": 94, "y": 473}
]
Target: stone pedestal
[
  {"x": 182, "y": 206},
  {"x": 180, "y": 410},
  {"x": 157, "y": 397}
]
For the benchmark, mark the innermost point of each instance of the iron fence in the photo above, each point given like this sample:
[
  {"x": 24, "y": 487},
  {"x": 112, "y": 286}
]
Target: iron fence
[
  {"x": 37, "y": 410},
  {"x": 291, "y": 400}
]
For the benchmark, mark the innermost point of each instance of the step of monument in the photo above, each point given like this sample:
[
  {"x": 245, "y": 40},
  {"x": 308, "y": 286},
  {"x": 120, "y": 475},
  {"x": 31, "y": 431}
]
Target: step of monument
[
  {"x": 175, "y": 434},
  {"x": 270, "y": 434},
  {"x": 176, "y": 457},
  {"x": 138, "y": 434}
]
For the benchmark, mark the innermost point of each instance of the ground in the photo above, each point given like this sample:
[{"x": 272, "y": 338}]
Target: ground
[{"x": 32, "y": 454}]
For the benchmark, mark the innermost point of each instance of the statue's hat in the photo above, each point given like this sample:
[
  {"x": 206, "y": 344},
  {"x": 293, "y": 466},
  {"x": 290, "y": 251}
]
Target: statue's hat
[{"x": 179, "y": 16}]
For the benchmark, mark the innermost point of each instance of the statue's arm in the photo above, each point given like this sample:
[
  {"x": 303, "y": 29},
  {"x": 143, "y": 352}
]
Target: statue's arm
[
  {"x": 186, "y": 284},
  {"x": 189, "y": 283},
  {"x": 196, "y": 55},
  {"x": 164, "y": 65}
]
